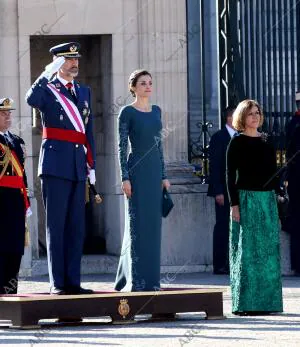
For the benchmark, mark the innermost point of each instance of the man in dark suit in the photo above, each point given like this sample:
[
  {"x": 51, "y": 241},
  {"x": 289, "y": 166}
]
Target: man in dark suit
[
  {"x": 293, "y": 175},
  {"x": 217, "y": 189},
  {"x": 14, "y": 203},
  {"x": 67, "y": 158}
]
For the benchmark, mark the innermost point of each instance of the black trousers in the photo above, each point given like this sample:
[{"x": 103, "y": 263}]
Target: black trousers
[
  {"x": 9, "y": 271},
  {"x": 221, "y": 237},
  {"x": 294, "y": 225}
]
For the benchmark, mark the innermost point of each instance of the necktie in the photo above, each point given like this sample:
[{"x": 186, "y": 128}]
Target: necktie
[
  {"x": 7, "y": 138},
  {"x": 69, "y": 86}
]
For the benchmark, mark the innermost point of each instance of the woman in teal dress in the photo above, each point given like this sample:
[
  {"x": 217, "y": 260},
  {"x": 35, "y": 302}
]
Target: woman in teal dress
[
  {"x": 143, "y": 177},
  {"x": 254, "y": 228}
]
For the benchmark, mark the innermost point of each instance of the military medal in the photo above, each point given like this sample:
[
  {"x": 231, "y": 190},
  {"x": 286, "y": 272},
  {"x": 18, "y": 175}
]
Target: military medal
[{"x": 86, "y": 112}]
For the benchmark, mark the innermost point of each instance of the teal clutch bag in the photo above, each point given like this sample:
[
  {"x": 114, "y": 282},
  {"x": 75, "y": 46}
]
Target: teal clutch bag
[{"x": 167, "y": 203}]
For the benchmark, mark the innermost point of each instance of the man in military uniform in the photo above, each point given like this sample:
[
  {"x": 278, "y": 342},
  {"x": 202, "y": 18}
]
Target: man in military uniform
[
  {"x": 217, "y": 189},
  {"x": 13, "y": 201},
  {"x": 67, "y": 158}
]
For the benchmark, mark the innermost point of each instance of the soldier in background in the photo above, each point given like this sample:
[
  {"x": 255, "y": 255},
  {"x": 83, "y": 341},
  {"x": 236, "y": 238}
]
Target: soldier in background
[
  {"x": 217, "y": 189},
  {"x": 14, "y": 203},
  {"x": 293, "y": 179}
]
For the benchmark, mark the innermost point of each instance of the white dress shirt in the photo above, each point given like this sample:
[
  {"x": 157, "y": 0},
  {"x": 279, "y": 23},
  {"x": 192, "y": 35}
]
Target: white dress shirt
[
  {"x": 64, "y": 82},
  {"x": 6, "y": 133},
  {"x": 230, "y": 130}
]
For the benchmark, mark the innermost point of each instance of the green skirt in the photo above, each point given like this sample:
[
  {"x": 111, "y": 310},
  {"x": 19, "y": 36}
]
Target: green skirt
[{"x": 255, "y": 272}]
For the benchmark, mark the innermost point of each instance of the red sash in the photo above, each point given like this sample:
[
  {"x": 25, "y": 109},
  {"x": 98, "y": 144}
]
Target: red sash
[{"x": 69, "y": 136}]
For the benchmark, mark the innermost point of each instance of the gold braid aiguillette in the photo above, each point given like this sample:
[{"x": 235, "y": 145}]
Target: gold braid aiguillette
[{"x": 5, "y": 159}]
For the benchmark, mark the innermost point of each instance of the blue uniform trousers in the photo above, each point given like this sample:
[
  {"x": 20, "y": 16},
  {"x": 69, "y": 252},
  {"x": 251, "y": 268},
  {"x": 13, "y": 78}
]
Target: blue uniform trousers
[{"x": 64, "y": 202}]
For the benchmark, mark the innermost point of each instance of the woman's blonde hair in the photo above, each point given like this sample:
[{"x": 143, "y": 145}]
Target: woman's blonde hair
[{"x": 241, "y": 112}]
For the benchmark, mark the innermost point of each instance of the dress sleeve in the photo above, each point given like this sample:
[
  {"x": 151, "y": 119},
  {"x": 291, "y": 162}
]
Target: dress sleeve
[
  {"x": 161, "y": 152},
  {"x": 231, "y": 172},
  {"x": 124, "y": 126},
  {"x": 35, "y": 96}
]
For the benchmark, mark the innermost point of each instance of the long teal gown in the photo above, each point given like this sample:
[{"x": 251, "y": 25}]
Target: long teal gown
[
  {"x": 139, "y": 264},
  {"x": 255, "y": 255}
]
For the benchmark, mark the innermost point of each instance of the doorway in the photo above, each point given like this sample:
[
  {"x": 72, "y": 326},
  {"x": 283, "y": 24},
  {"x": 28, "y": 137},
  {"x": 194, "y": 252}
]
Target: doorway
[{"x": 94, "y": 71}]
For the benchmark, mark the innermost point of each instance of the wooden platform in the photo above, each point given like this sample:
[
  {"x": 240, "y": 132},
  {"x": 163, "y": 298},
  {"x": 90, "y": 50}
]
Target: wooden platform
[{"x": 25, "y": 311}]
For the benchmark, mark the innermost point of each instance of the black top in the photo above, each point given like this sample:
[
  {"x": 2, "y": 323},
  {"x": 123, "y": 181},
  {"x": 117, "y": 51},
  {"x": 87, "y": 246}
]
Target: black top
[{"x": 251, "y": 163}]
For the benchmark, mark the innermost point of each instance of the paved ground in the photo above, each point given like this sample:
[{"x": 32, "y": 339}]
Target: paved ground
[{"x": 190, "y": 331}]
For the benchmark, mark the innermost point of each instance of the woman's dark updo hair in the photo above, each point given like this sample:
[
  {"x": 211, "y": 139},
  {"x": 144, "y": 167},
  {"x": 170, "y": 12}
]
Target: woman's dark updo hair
[{"x": 133, "y": 78}]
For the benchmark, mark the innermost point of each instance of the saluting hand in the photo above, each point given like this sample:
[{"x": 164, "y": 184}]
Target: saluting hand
[
  {"x": 53, "y": 67},
  {"x": 126, "y": 187}
]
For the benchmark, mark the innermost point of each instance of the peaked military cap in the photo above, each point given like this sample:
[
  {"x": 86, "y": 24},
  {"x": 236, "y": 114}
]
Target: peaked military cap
[
  {"x": 67, "y": 50},
  {"x": 6, "y": 104}
]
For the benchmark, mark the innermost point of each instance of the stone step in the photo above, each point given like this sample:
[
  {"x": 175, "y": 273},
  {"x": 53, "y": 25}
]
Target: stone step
[{"x": 106, "y": 264}]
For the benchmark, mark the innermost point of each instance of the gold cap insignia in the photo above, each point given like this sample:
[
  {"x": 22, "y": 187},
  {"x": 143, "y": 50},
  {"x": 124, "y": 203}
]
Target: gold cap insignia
[
  {"x": 73, "y": 48},
  {"x": 6, "y": 102}
]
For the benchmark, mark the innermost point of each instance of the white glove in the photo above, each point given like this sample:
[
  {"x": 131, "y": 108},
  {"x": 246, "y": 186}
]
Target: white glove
[
  {"x": 92, "y": 176},
  {"x": 53, "y": 67}
]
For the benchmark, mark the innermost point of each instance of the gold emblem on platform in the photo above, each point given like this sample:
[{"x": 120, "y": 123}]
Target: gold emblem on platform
[{"x": 123, "y": 308}]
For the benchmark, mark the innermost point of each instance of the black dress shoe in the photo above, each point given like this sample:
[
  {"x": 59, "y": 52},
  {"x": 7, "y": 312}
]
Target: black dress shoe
[
  {"x": 252, "y": 313},
  {"x": 69, "y": 320},
  {"x": 78, "y": 290},
  {"x": 163, "y": 316},
  {"x": 221, "y": 271},
  {"x": 57, "y": 291}
]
